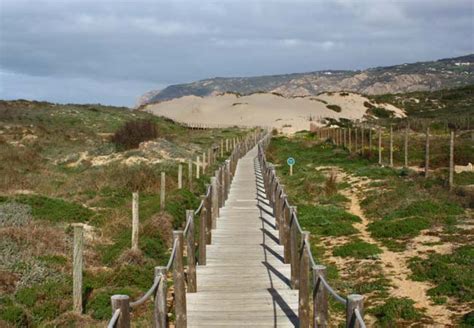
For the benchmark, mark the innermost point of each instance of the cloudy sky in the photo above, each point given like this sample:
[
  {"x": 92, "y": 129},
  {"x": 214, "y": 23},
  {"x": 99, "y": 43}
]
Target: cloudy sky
[{"x": 91, "y": 51}]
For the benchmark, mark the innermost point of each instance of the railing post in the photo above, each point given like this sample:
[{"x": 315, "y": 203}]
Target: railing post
[
  {"x": 286, "y": 230},
  {"x": 320, "y": 298},
  {"x": 77, "y": 267},
  {"x": 160, "y": 311},
  {"x": 191, "y": 252},
  {"x": 354, "y": 301},
  {"x": 294, "y": 249},
  {"x": 179, "y": 284},
  {"x": 227, "y": 178},
  {"x": 122, "y": 303},
  {"x": 214, "y": 202},
  {"x": 202, "y": 233},
  {"x": 303, "y": 294},
  {"x": 276, "y": 205},
  {"x": 208, "y": 212},
  {"x": 222, "y": 186},
  {"x": 135, "y": 220},
  {"x": 162, "y": 192}
]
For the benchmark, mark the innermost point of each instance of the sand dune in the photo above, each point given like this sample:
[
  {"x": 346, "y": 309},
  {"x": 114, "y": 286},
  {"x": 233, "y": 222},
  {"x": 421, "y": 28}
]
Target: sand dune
[{"x": 264, "y": 109}]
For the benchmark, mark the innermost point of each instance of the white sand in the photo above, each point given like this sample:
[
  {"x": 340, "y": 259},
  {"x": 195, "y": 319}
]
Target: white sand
[{"x": 263, "y": 109}]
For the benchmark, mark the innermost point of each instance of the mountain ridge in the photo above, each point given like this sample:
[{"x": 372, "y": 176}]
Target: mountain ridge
[{"x": 407, "y": 77}]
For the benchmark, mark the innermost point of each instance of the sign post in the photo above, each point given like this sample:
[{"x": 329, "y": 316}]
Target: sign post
[{"x": 291, "y": 161}]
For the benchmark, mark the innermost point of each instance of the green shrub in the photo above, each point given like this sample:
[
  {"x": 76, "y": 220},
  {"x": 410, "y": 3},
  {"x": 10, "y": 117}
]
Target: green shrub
[
  {"x": 427, "y": 208},
  {"x": 55, "y": 209},
  {"x": 327, "y": 220},
  {"x": 380, "y": 112},
  {"x": 131, "y": 134},
  {"x": 452, "y": 273},
  {"x": 394, "y": 310},
  {"x": 398, "y": 228},
  {"x": 14, "y": 314},
  {"x": 335, "y": 108},
  {"x": 358, "y": 249}
]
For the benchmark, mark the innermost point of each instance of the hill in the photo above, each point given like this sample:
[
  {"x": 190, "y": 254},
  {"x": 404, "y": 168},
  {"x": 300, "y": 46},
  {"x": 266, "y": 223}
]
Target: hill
[{"x": 421, "y": 76}]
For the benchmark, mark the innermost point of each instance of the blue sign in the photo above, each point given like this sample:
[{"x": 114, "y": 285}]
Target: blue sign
[{"x": 290, "y": 161}]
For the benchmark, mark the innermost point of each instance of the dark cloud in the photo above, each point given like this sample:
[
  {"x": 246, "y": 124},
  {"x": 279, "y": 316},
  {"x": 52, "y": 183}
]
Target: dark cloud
[{"x": 112, "y": 51}]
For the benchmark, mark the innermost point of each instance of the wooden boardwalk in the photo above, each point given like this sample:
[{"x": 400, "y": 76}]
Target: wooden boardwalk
[{"x": 245, "y": 282}]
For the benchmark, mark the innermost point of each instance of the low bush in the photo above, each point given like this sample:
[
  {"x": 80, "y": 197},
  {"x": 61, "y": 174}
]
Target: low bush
[
  {"x": 398, "y": 228},
  {"x": 452, "y": 273},
  {"x": 131, "y": 134},
  {"x": 395, "y": 310},
  {"x": 335, "y": 108},
  {"x": 358, "y": 249},
  {"x": 327, "y": 220}
]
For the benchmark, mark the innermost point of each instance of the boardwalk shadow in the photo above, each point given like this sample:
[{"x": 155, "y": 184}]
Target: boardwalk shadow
[{"x": 281, "y": 303}]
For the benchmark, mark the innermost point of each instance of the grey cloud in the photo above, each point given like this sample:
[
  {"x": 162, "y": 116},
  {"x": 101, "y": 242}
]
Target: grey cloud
[{"x": 137, "y": 45}]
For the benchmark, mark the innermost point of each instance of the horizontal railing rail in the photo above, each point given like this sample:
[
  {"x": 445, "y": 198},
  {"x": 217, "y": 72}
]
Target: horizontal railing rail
[
  {"x": 297, "y": 252},
  {"x": 208, "y": 211}
]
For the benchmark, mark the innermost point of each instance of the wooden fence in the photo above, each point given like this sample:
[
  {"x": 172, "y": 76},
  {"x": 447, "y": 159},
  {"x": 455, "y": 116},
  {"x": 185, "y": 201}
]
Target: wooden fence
[
  {"x": 297, "y": 251},
  {"x": 184, "y": 276},
  {"x": 366, "y": 141}
]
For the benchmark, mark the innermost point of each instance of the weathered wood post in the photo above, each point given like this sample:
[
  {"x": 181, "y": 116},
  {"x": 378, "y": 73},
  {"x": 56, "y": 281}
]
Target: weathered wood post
[
  {"x": 350, "y": 140},
  {"x": 391, "y": 145},
  {"x": 407, "y": 128},
  {"x": 320, "y": 298},
  {"x": 197, "y": 167},
  {"x": 362, "y": 140},
  {"x": 303, "y": 294},
  {"x": 354, "y": 301},
  {"x": 287, "y": 239},
  {"x": 222, "y": 148},
  {"x": 160, "y": 310},
  {"x": 226, "y": 145},
  {"x": 122, "y": 303},
  {"x": 191, "y": 253},
  {"x": 209, "y": 157},
  {"x": 208, "y": 204},
  {"x": 427, "y": 151},
  {"x": 370, "y": 141},
  {"x": 180, "y": 176},
  {"x": 179, "y": 284},
  {"x": 190, "y": 174},
  {"x": 162, "y": 191},
  {"x": 77, "y": 267},
  {"x": 380, "y": 146},
  {"x": 202, "y": 233},
  {"x": 227, "y": 178},
  {"x": 294, "y": 249},
  {"x": 135, "y": 220},
  {"x": 356, "y": 141},
  {"x": 451, "y": 160},
  {"x": 214, "y": 202}
]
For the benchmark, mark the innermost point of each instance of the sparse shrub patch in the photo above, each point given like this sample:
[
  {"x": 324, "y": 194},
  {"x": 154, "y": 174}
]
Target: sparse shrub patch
[
  {"x": 131, "y": 134},
  {"x": 335, "y": 108},
  {"x": 358, "y": 249},
  {"x": 395, "y": 310}
]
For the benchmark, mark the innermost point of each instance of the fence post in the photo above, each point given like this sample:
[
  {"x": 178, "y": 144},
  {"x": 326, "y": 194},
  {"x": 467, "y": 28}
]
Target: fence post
[
  {"x": 391, "y": 146},
  {"x": 320, "y": 298},
  {"x": 427, "y": 151},
  {"x": 162, "y": 191},
  {"x": 294, "y": 250},
  {"x": 178, "y": 279},
  {"x": 303, "y": 294},
  {"x": 350, "y": 140},
  {"x": 202, "y": 233},
  {"x": 77, "y": 267},
  {"x": 180, "y": 176},
  {"x": 451, "y": 160},
  {"x": 122, "y": 303},
  {"x": 380, "y": 145},
  {"x": 370, "y": 142},
  {"x": 208, "y": 205},
  {"x": 214, "y": 202},
  {"x": 354, "y": 301},
  {"x": 286, "y": 229},
  {"x": 227, "y": 178},
  {"x": 190, "y": 174},
  {"x": 222, "y": 148},
  {"x": 160, "y": 311},
  {"x": 406, "y": 144},
  {"x": 362, "y": 140},
  {"x": 197, "y": 167},
  {"x": 135, "y": 220},
  {"x": 191, "y": 252},
  {"x": 204, "y": 163}
]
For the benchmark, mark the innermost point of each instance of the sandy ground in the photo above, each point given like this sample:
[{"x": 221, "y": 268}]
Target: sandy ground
[{"x": 263, "y": 109}]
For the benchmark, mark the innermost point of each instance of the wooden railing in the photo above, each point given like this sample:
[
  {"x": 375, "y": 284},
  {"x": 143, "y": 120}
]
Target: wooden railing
[
  {"x": 297, "y": 252},
  {"x": 186, "y": 282}
]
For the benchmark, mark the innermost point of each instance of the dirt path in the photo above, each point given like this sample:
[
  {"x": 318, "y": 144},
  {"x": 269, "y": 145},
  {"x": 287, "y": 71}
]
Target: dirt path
[{"x": 394, "y": 264}]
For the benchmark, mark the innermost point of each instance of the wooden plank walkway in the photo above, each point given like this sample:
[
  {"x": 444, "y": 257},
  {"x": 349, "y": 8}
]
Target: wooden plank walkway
[{"x": 245, "y": 282}]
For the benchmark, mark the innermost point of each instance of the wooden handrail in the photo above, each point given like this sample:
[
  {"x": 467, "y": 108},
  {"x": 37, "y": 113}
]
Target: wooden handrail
[
  {"x": 216, "y": 195},
  {"x": 297, "y": 252}
]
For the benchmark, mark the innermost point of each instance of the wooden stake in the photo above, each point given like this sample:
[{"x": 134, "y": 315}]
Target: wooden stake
[
  {"x": 391, "y": 146},
  {"x": 451, "y": 161},
  {"x": 180, "y": 176},
  {"x": 135, "y": 220},
  {"x": 406, "y": 144},
  {"x": 122, "y": 303},
  {"x": 427, "y": 151},
  {"x": 380, "y": 145},
  {"x": 354, "y": 301},
  {"x": 77, "y": 267},
  {"x": 191, "y": 251},
  {"x": 320, "y": 298},
  {"x": 179, "y": 284},
  {"x": 190, "y": 174},
  {"x": 197, "y": 167},
  {"x": 160, "y": 311},
  {"x": 303, "y": 294},
  {"x": 162, "y": 191}
]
